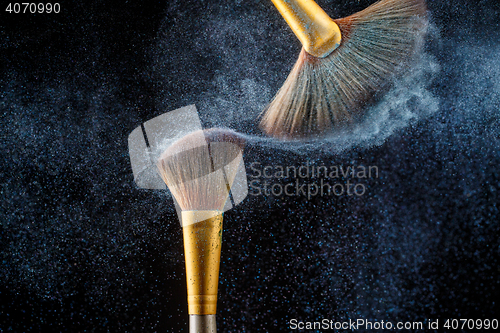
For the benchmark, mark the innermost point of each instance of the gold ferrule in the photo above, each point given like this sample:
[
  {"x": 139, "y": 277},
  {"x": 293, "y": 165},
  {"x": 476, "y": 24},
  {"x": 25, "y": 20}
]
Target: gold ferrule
[
  {"x": 202, "y": 246},
  {"x": 317, "y": 32}
]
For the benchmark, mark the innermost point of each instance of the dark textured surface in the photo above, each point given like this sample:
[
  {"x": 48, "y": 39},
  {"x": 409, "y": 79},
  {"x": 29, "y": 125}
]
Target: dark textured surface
[{"x": 84, "y": 250}]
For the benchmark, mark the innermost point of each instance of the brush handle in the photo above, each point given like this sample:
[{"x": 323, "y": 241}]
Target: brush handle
[
  {"x": 202, "y": 246},
  {"x": 317, "y": 32}
]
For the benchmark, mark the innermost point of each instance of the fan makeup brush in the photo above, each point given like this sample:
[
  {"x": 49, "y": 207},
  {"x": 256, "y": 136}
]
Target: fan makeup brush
[{"x": 342, "y": 65}]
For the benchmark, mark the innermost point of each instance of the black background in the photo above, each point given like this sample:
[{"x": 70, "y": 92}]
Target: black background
[{"x": 84, "y": 250}]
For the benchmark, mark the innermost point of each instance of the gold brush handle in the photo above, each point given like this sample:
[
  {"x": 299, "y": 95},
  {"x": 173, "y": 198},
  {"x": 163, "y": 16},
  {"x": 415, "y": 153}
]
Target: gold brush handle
[
  {"x": 317, "y": 32},
  {"x": 202, "y": 246}
]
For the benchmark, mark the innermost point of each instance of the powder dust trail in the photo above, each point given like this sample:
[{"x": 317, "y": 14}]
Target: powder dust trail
[
  {"x": 239, "y": 93},
  {"x": 407, "y": 102}
]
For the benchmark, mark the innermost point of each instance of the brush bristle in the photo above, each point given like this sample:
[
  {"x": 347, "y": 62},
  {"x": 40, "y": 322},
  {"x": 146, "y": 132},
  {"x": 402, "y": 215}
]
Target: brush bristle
[
  {"x": 200, "y": 168},
  {"x": 324, "y": 93}
]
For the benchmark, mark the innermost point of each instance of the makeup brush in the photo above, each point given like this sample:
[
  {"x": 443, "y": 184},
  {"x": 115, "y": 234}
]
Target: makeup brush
[
  {"x": 343, "y": 63},
  {"x": 199, "y": 170}
]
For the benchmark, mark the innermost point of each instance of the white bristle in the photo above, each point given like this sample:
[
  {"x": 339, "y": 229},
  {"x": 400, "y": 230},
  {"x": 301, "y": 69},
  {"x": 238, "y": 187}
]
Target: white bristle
[{"x": 198, "y": 170}]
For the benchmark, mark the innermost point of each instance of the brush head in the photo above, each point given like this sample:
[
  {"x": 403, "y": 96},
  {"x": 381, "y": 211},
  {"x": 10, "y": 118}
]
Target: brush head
[
  {"x": 200, "y": 168},
  {"x": 325, "y": 93}
]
